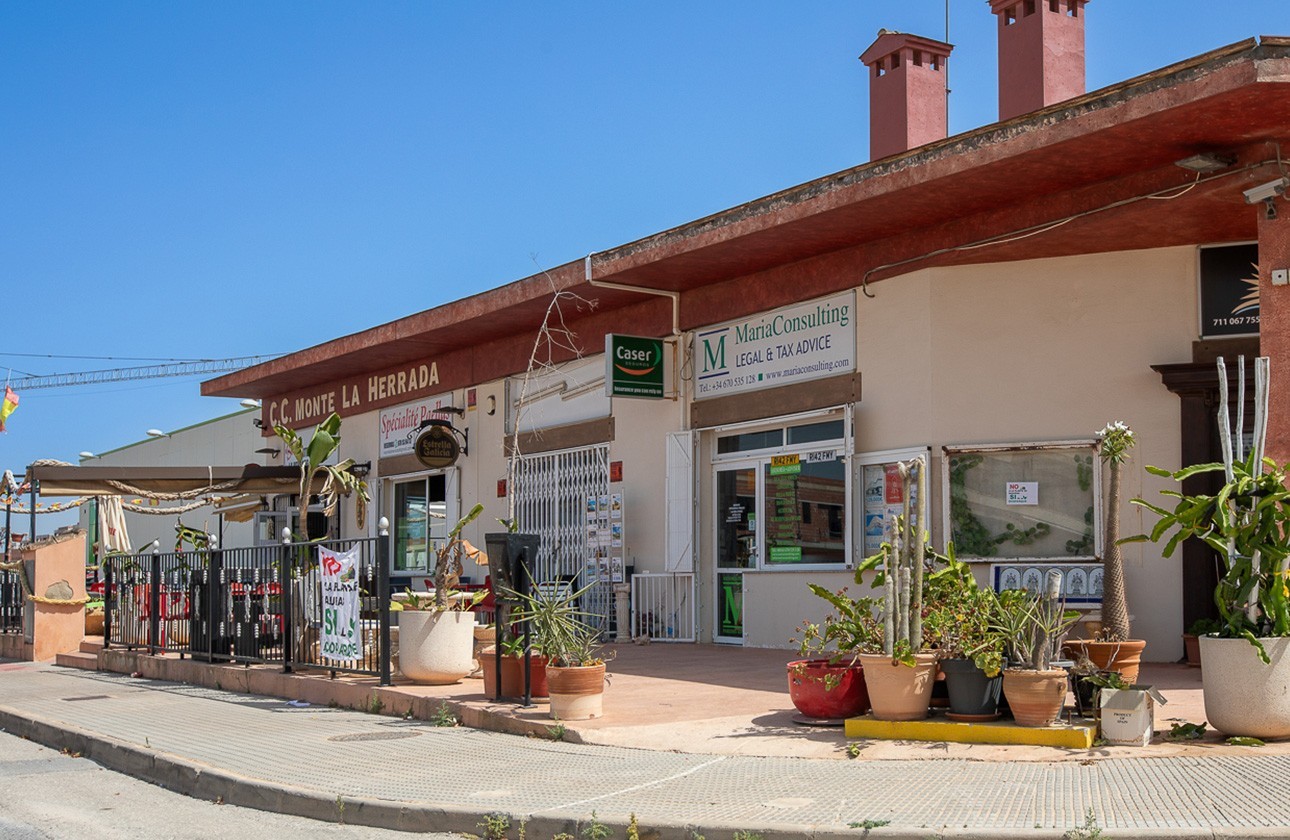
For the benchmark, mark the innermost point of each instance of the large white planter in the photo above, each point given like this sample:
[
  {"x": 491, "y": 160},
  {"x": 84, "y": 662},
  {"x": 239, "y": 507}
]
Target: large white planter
[
  {"x": 435, "y": 647},
  {"x": 1242, "y": 695}
]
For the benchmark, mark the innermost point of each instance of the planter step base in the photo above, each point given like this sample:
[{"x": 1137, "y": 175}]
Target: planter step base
[{"x": 994, "y": 732}]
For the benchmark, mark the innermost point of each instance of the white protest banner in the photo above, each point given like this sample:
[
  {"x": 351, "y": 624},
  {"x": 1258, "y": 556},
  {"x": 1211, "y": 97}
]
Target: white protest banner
[{"x": 340, "y": 634}]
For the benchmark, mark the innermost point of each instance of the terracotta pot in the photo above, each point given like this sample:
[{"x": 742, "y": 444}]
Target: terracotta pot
[
  {"x": 1243, "y": 696},
  {"x": 94, "y": 622},
  {"x": 1036, "y": 697},
  {"x": 436, "y": 646},
  {"x": 513, "y": 674},
  {"x": 827, "y": 692},
  {"x": 1191, "y": 644},
  {"x": 576, "y": 693},
  {"x": 898, "y": 691},
  {"x": 1123, "y": 657}
]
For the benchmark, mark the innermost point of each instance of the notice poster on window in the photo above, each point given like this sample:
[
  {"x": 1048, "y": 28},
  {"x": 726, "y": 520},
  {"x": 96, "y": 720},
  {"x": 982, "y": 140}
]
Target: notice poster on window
[
  {"x": 341, "y": 641},
  {"x": 605, "y": 542},
  {"x": 1021, "y": 492}
]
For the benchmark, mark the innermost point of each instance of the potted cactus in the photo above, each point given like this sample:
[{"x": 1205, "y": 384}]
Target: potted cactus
[
  {"x": 436, "y": 631},
  {"x": 900, "y": 678},
  {"x": 1247, "y": 523}
]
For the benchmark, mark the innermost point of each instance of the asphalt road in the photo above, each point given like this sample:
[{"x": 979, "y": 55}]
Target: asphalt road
[{"x": 45, "y": 794}]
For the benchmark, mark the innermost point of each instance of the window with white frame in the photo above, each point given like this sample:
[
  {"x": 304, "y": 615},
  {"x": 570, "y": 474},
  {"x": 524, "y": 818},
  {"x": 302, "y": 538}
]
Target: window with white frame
[
  {"x": 878, "y": 477},
  {"x": 1036, "y": 500},
  {"x": 782, "y": 495}
]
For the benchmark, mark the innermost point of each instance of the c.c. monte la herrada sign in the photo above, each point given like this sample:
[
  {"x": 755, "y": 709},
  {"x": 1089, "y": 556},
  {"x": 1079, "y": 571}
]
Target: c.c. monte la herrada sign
[{"x": 352, "y": 396}]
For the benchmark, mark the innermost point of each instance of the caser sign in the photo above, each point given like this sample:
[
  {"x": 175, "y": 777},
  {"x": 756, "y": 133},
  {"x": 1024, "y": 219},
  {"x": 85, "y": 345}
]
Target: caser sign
[{"x": 633, "y": 366}]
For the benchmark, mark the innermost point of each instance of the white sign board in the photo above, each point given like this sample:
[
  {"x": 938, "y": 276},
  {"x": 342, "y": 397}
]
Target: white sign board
[
  {"x": 796, "y": 344},
  {"x": 398, "y": 429},
  {"x": 341, "y": 640},
  {"x": 1022, "y": 492}
]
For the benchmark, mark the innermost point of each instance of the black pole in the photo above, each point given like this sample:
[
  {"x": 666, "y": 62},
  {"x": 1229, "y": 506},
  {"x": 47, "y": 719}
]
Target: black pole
[
  {"x": 287, "y": 576},
  {"x": 497, "y": 638},
  {"x": 5, "y": 594},
  {"x": 154, "y": 599},
  {"x": 107, "y": 602},
  {"x": 524, "y": 587},
  {"x": 31, "y": 484},
  {"x": 383, "y": 597}
]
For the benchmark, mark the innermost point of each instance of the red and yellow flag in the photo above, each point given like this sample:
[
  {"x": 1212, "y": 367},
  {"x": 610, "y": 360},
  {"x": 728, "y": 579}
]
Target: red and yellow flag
[{"x": 7, "y": 407}]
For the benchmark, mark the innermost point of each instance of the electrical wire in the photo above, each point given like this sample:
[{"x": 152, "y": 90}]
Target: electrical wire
[{"x": 1166, "y": 194}]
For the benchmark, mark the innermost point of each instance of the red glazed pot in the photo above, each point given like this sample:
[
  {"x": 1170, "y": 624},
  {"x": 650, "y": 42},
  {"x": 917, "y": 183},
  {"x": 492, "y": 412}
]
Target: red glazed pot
[{"x": 823, "y": 691}]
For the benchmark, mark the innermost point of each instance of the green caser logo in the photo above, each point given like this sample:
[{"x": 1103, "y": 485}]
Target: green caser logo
[{"x": 635, "y": 366}]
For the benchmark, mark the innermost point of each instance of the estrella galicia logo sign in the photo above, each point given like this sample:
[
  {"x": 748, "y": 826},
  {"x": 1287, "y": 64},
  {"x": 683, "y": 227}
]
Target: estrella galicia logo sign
[{"x": 634, "y": 366}]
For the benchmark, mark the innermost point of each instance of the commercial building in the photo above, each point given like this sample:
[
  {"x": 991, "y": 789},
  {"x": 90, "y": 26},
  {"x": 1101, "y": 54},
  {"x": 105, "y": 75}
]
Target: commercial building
[{"x": 985, "y": 302}]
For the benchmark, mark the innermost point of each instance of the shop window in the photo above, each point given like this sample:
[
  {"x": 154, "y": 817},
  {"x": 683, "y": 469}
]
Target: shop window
[
  {"x": 420, "y": 518},
  {"x": 750, "y": 441},
  {"x": 805, "y": 508},
  {"x": 883, "y": 491},
  {"x": 1033, "y": 501},
  {"x": 815, "y": 432}
]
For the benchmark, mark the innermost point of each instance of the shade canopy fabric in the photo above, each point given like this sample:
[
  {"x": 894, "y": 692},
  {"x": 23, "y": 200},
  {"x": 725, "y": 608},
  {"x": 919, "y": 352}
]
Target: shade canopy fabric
[
  {"x": 113, "y": 535},
  {"x": 108, "y": 481}
]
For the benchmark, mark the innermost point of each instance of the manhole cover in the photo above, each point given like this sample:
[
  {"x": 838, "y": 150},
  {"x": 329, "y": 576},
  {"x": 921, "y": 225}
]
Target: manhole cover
[
  {"x": 87, "y": 697},
  {"x": 374, "y": 736}
]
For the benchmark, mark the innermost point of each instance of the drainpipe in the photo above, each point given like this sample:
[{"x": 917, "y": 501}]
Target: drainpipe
[{"x": 675, "y": 296}]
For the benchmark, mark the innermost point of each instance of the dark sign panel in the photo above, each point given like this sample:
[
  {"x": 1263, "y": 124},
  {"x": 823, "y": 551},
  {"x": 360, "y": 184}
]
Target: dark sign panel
[
  {"x": 634, "y": 366},
  {"x": 436, "y": 448},
  {"x": 1229, "y": 290}
]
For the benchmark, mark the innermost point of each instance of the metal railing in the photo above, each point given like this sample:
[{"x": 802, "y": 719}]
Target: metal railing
[
  {"x": 12, "y": 603},
  {"x": 246, "y": 605},
  {"x": 663, "y": 607}
]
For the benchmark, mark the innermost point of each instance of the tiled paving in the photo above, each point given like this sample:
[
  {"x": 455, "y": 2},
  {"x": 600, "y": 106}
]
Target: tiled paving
[{"x": 390, "y": 771}]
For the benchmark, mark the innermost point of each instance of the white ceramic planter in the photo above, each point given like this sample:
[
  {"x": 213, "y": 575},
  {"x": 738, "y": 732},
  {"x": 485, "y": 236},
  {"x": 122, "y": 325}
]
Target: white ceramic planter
[
  {"x": 435, "y": 647},
  {"x": 1242, "y": 695}
]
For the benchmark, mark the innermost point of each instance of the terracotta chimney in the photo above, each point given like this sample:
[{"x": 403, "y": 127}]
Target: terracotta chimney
[
  {"x": 1041, "y": 53},
  {"x": 906, "y": 92}
]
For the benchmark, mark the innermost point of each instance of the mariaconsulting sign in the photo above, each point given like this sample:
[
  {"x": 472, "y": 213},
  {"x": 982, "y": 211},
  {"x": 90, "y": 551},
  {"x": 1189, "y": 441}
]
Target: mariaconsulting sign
[{"x": 803, "y": 342}]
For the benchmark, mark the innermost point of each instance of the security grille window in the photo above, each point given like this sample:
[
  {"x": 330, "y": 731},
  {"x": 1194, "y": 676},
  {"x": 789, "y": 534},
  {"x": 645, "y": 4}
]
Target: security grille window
[
  {"x": 1040, "y": 501},
  {"x": 551, "y": 492}
]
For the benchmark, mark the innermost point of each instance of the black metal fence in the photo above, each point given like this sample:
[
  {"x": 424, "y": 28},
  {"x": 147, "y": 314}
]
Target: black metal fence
[
  {"x": 250, "y": 606},
  {"x": 11, "y": 603}
]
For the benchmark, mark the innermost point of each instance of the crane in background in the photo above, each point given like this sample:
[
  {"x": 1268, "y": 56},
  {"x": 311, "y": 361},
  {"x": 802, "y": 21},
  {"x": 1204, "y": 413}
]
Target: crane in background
[{"x": 126, "y": 374}]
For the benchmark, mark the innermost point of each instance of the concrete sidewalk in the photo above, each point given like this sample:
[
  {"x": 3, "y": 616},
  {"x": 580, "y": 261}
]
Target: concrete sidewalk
[{"x": 334, "y": 764}]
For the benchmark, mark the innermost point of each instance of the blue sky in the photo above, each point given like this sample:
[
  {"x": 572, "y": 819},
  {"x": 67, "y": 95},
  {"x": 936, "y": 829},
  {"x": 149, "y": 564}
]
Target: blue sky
[{"x": 207, "y": 180}]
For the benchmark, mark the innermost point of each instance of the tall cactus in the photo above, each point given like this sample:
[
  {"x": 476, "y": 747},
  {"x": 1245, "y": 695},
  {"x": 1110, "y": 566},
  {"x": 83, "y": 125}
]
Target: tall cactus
[{"x": 902, "y": 608}]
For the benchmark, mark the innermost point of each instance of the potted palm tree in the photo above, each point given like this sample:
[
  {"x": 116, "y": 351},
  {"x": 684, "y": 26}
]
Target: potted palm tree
[
  {"x": 1113, "y": 648},
  {"x": 1246, "y": 663},
  {"x": 1033, "y": 625},
  {"x": 327, "y": 483},
  {"x": 575, "y": 669},
  {"x": 436, "y": 630}
]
